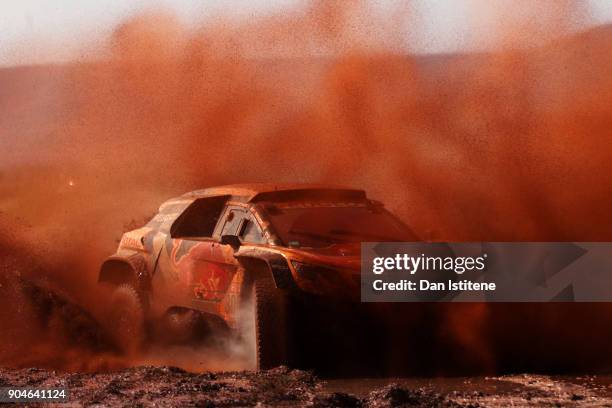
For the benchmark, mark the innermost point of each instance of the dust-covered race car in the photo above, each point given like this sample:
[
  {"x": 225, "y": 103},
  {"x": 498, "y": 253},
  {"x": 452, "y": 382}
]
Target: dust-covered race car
[{"x": 207, "y": 254}]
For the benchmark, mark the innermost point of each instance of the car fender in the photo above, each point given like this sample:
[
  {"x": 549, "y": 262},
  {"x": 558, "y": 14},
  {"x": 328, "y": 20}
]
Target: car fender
[
  {"x": 258, "y": 261},
  {"x": 126, "y": 267}
]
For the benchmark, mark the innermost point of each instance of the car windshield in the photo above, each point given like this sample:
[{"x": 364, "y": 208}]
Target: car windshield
[{"x": 322, "y": 225}]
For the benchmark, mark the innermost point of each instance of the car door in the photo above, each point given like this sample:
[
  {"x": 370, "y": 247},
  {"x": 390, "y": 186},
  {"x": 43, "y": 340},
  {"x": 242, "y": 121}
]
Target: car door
[
  {"x": 208, "y": 266},
  {"x": 191, "y": 268},
  {"x": 217, "y": 263},
  {"x": 220, "y": 265}
]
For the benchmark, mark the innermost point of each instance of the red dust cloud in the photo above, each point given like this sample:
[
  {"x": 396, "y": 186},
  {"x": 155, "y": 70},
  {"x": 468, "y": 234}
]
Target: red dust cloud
[{"x": 507, "y": 145}]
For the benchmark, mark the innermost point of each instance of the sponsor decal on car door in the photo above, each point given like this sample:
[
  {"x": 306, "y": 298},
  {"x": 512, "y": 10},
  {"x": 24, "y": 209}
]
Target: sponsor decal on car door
[{"x": 202, "y": 269}]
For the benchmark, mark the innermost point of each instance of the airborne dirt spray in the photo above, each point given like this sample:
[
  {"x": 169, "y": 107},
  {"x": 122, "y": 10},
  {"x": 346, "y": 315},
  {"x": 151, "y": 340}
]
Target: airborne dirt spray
[{"x": 507, "y": 145}]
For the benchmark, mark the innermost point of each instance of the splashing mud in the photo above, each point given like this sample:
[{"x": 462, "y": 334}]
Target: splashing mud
[{"x": 506, "y": 145}]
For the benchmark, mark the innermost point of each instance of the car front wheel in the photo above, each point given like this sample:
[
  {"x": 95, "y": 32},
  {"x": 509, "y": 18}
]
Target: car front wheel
[
  {"x": 126, "y": 319},
  {"x": 270, "y": 319}
]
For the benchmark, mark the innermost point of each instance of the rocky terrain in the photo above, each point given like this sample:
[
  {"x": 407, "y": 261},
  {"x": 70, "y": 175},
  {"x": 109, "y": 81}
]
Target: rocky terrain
[{"x": 174, "y": 387}]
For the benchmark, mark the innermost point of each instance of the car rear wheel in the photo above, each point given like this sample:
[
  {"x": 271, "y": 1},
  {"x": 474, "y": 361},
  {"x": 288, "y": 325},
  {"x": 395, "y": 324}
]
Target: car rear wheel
[
  {"x": 270, "y": 313},
  {"x": 126, "y": 319}
]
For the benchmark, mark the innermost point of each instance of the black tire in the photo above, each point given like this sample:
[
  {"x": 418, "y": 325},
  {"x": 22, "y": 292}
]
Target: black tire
[
  {"x": 270, "y": 314},
  {"x": 126, "y": 319}
]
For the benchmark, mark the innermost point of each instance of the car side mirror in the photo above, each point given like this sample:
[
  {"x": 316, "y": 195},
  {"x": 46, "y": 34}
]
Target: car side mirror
[{"x": 231, "y": 240}]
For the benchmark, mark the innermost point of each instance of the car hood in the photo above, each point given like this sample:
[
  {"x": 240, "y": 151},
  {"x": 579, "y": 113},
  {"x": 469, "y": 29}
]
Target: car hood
[{"x": 346, "y": 256}]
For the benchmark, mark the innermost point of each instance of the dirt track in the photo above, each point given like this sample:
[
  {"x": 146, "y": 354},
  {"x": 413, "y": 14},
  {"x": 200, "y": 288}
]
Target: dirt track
[{"x": 169, "y": 386}]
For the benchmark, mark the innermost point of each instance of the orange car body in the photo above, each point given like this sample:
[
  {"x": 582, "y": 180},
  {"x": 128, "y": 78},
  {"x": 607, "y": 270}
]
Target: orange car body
[{"x": 306, "y": 236}]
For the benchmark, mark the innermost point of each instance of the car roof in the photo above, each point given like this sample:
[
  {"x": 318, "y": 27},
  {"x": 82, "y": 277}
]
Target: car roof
[{"x": 253, "y": 192}]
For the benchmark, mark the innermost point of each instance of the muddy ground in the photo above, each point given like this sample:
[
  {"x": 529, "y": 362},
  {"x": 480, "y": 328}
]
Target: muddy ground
[{"x": 174, "y": 387}]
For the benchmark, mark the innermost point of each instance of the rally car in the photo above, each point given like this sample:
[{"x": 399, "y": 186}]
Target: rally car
[{"x": 210, "y": 252}]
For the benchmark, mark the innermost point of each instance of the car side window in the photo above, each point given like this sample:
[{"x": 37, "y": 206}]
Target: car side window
[
  {"x": 233, "y": 218},
  {"x": 249, "y": 231},
  {"x": 199, "y": 219}
]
